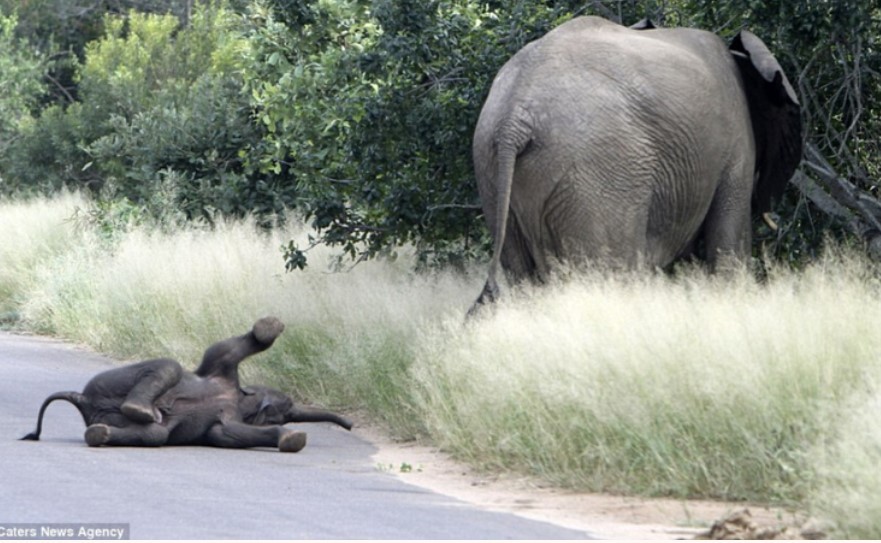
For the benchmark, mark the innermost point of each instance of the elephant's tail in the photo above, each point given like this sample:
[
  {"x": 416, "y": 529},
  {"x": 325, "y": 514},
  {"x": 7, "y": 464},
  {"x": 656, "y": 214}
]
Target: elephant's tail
[
  {"x": 316, "y": 415},
  {"x": 77, "y": 399},
  {"x": 506, "y": 160},
  {"x": 512, "y": 141}
]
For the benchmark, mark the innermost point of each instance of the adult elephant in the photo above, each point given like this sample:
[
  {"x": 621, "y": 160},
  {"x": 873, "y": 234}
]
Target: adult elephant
[
  {"x": 625, "y": 145},
  {"x": 156, "y": 402}
]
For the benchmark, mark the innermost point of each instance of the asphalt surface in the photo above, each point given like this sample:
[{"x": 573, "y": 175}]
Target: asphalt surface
[{"x": 330, "y": 490}]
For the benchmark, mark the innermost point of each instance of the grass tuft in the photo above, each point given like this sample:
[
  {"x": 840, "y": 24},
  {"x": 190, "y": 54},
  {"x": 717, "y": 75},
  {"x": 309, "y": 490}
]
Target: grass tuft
[
  {"x": 34, "y": 233},
  {"x": 847, "y": 486},
  {"x": 688, "y": 387}
]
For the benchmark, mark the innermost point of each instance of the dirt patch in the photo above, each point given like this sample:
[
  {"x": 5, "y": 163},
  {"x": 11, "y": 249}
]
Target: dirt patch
[
  {"x": 603, "y": 516},
  {"x": 742, "y": 525}
]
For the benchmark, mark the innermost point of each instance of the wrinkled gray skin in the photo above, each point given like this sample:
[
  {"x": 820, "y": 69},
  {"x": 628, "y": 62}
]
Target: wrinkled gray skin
[
  {"x": 625, "y": 145},
  {"x": 156, "y": 402}
]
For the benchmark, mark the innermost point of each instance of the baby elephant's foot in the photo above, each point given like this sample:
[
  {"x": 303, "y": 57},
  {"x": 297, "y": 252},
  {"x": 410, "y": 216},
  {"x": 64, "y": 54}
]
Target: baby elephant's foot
[
  {"x": 97, "y": 435},
  {"x": 267, "y": 329},
  {"x": 292, "y": 441},
  {"x": 139, "y": 412}
]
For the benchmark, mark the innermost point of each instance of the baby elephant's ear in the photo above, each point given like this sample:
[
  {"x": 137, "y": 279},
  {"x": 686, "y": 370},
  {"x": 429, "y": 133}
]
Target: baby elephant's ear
[{"x": 775, "y": 115}]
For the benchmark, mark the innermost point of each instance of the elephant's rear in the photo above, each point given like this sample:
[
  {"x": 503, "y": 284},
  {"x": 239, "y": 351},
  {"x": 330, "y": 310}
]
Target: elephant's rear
[{"x": 610, "y": 157}]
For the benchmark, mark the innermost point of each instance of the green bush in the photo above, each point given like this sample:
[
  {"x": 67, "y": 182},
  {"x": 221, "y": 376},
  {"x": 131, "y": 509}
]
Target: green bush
[
  {"x": 161, "y": 122},
  {"x": 49, "y": 155},
  {"x": 172, "y": 114},
  {"x": 369, "y": 109},
  {"x": 21, "y": 85}
]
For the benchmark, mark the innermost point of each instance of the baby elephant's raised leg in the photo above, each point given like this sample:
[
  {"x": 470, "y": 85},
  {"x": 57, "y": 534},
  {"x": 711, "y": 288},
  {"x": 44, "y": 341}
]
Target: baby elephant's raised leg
[
  {"x": 223, "y": 357},
  {"x": 142, "y": 435},
  {"x": 155, "y": 378},
  {"x": 239, "y": 435}
]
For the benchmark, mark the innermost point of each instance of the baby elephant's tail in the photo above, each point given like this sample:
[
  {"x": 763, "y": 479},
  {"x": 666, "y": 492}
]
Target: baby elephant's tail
[{"x": 75, "y": 398}]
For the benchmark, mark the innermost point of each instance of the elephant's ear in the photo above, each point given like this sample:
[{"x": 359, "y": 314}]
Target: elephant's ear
[
  {"x": 645, "y": 24},
  {"x": 776, "y": 118},
  {"x": 261, "y": 413}
]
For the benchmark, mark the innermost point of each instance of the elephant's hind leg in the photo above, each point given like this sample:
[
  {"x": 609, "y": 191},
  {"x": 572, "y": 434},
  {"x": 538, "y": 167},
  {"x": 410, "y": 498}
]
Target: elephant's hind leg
[
  {"x": 239, "y": 435},
  {"x": 155, "y": 378},
  {"x": 145, "y": 435},
  {"x": 728, "y": 227}
]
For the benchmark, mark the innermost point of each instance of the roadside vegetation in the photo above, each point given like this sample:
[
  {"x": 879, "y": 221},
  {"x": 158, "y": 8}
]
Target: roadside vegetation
[
  {"x": 171, "y": 170},
  {"x": 687, "y": 386}
]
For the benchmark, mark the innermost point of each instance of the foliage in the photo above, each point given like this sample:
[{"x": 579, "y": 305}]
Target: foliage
[
  {"x": 178, "y": 119},
  {"x": 21, "y": 84},
  {"x": 61, "y": 29},
  {"x": 48, "y": 154},
  {"x": 370, "y": 106},
  {"x": 360, "y": 113},
  {"x": 160, "y": 113},
  {"x": 369, "y": 109}
]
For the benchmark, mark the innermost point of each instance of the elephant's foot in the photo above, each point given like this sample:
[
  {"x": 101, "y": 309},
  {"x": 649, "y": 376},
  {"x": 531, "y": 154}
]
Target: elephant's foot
[
  {"x": 97, "y": 435},
  {"x": 488, "y": 296},
  {"x": 267, "y": 329},
  {"x": 138, "y": 412},
  {"x": 292, "y": 441}
]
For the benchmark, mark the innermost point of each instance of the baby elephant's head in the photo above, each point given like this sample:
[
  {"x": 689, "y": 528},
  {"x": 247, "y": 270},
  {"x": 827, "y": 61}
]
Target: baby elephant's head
[{"x": 263, "y": 406}]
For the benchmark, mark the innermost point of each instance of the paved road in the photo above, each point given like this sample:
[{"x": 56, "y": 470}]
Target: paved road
[{"x": 330, "y": 490}]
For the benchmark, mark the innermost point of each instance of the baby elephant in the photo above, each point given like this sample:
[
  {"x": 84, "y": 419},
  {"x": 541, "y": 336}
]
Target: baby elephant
[{"x": 156, "y": 402}]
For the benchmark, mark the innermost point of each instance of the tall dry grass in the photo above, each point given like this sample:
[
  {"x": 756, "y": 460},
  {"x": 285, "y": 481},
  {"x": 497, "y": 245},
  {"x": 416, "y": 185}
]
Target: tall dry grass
[
  {"x": 32, "y": 234},
  {"x": 688, "y": 386},
  {"x": 847, "y": 481},
  {"x": 692, "y": 386},
  {"x": 350, "y": 336}
]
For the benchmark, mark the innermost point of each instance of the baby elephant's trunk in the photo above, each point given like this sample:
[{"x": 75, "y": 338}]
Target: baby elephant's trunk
[
  {"x": 300, "y": 414},
  {"x": 75, "y": 398}
]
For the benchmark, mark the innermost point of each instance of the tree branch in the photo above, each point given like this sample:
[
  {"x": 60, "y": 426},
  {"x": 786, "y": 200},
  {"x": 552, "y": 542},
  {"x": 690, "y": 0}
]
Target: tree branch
[{"x": 61, "y": 88}]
